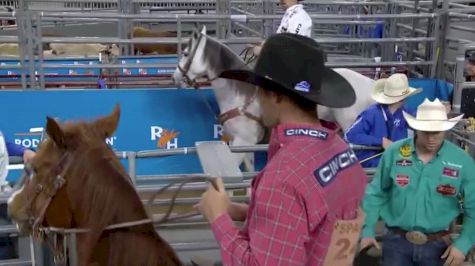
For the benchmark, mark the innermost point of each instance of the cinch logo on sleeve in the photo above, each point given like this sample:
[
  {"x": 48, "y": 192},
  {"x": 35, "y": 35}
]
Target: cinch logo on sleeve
[
  {"x": 330, "y": 169},
  {"x": 314, "y": 133}
]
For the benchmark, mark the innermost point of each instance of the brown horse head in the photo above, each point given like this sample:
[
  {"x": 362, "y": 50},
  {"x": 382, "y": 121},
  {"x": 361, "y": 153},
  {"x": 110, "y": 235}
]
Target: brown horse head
[{"x": 76, "y": 181}]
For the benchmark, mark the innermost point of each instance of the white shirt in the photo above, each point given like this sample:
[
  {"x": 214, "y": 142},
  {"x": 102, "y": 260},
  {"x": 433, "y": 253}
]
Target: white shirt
[{"x": 296, "y": 20}]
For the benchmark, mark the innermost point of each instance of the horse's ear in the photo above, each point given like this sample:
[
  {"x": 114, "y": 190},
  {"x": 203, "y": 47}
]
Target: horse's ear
[
  {"x": 107, "y": 125},
  {"x": 203, "y": 30},
  {"x": 55, "y": 132}
]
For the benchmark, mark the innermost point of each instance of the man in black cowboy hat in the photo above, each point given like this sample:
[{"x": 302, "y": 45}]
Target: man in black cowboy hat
[{"x": 312, "y": 179}]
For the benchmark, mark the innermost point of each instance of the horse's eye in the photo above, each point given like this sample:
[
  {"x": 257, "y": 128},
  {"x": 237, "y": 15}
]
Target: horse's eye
[{"x": 185, "y": 53}]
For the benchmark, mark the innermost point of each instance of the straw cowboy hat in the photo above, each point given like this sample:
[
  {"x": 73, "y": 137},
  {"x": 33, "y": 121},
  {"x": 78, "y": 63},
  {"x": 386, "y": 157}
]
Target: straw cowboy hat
[
  {"x": 392, "y": 90},
  {"x": 431, "y": 116}
]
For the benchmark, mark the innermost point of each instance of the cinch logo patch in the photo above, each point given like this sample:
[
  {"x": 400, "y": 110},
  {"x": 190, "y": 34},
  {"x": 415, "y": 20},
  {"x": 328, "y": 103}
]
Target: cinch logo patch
[
  {"x": 314, "y": 133},
  {"x": 330, "y": 169}
]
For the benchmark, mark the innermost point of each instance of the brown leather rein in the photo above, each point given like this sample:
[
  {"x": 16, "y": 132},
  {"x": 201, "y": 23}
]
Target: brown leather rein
[{"x": 55, "y": 242}]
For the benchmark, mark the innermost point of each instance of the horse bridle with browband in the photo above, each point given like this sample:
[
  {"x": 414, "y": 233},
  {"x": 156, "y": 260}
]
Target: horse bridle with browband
[
  {"x": 184, "y": 71},
  {"x": 51, "y": 190}
]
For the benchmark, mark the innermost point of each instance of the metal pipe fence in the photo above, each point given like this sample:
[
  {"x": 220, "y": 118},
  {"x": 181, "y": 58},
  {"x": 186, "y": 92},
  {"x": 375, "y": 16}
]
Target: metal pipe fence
[
  {"x": 240, "y": 20},
  {"x": 191, "y": 245},
  {"x": 460, "y": 80}
]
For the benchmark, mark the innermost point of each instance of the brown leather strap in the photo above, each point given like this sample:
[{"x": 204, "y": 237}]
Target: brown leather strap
[
  {"x": 228, "y": 115},
  {"x": 222, "y": 118},
  {"x": 430, "y": 237}
]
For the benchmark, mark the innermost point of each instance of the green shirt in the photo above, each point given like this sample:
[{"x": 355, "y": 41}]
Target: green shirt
[{"x": 407, "y": 194}]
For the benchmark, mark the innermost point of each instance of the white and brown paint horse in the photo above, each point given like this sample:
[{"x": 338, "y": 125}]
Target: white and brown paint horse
[{"x": 205, "y": 57}]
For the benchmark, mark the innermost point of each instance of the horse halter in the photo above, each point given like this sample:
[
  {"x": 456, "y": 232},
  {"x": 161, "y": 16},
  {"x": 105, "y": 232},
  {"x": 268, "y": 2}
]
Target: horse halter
[
  {"x": 184, "y": 70},
  {"x": 50, "y": 189}
]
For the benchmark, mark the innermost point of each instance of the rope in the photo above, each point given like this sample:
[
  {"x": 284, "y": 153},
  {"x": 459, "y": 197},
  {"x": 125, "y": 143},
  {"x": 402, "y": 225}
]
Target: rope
[
  {"x": 161, "y": 220},
  {"x": 371, "y": 157}
]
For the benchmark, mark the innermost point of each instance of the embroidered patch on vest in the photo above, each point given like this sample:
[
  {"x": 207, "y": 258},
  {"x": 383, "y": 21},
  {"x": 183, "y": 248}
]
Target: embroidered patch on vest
[
  {"x": 314, "y": 133},
  {"x": 402, "y": 180},
  {"x": 404, "y": 162},
  {"x": 405, "y": 150},
  {"x": 446, "y": 190},
  {"x": 326, "y": 173},
  {"x": 451, "y": 173}
]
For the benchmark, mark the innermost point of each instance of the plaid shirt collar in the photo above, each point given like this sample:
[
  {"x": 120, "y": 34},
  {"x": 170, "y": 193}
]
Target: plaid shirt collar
[{"x": 283, "y": 134}]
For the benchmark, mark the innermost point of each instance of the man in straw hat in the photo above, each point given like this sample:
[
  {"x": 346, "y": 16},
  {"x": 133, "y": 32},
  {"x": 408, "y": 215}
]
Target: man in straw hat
[
  {"x": 416, "y": 190},
  {"x": 383, "y": 122},
  {"x": 312, "y": 180}
]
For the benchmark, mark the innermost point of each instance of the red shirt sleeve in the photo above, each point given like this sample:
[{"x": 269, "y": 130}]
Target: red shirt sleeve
[{"x": 278, "y": 229}]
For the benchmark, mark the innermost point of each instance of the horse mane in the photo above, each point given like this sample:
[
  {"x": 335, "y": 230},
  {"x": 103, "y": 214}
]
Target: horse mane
[
  {"x": 221, "y": 57},
  {"x": 101, "y": 192}
]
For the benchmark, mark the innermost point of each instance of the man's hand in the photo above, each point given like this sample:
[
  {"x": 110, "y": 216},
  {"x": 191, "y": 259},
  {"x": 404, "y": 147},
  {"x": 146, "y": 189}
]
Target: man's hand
[
  {"x": 214, "y": 202},
  {"x": 28, "y": 155},
  {"x": 368, "y": 242},
  {"x": 238, "y": 211},
  {"x": 453, "y": 257},
  {"x": 386, "y": 142}
]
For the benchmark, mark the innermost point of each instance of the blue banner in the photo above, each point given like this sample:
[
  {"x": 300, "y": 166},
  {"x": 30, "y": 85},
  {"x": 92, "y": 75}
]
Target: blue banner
[
  {"x": 12, "y": 74},
  {"x": 150, "y": 119}
]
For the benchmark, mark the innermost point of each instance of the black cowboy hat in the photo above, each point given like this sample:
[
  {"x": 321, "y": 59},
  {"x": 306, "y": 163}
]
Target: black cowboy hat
[{"x": 295, "y": 65}]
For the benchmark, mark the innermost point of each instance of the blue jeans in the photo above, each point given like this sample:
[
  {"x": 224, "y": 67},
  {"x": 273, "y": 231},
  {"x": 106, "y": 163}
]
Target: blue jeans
[{"x": 397, "y": 251}]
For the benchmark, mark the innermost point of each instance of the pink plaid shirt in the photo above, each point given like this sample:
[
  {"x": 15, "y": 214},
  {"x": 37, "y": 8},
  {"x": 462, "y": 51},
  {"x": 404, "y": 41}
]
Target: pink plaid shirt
[{"x": 311, "y": 179}]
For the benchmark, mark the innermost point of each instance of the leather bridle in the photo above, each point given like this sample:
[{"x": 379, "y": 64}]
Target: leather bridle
[
  {"x": 54, "y": 237},
  {"x": 230, "y": 114},
  {"x": 186, "y": 68}
]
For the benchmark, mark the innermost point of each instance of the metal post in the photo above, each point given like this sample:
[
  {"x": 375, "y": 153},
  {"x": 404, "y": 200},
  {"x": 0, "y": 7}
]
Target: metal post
[
  {"x": 220, "y": 24},
  {"x": 444, "y": 22},
  {"x": 415, "y": 23},
  {"x": 390, "y": 31},
  {"x": 459, "y": 79},
  {"x": 125, "y": 26},
  {"x": 178, "y": 32},
  {"x": 39, "y": 47},
  {"x": 268, "y": 9},
  {"x": 21, "y": 45},
  {"x": 30, "y": 48},
  {"x": 72, "y": 251},
  {"x": 431, "y": 27},
  {"x": 131, "y": 158},
  {"x": 435, "y": 53}
]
